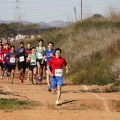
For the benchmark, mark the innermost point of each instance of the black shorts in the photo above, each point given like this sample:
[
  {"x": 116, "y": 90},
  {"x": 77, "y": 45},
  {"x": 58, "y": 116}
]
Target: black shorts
[
  {"x": 40, "y": 60},
  {"x": 31, "y": 67},
  {"x": 1, "y": 65},
  {"x": 11, "y": 67},
  {"x": 22, "y": 66},
  {"x": 27, "y": 65}
]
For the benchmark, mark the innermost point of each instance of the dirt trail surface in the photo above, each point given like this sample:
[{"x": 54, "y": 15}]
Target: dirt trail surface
[{"x": 75, "y": 105}]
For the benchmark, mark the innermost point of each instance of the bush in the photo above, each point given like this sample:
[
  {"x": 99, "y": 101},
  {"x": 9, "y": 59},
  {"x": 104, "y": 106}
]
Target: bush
[{"x": 115, "y": 87}]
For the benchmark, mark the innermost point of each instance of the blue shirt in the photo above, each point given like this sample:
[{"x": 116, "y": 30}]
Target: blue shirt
[
  {"x": 47, "y": 54},
  {"x": 17, "y": 51}
]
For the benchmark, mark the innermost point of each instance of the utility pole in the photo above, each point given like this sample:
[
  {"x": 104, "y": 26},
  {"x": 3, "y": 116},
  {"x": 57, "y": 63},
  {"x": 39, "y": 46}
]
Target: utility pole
[
  {"x": 81, "y": 10},
  {"x": 75, "y": 14},
  {"x": 17, "y": 12}
]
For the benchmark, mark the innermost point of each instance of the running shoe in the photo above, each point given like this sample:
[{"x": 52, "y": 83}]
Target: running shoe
[
  {"x": 40, "y": 80},
  {"x": 1, "y": 77},
  {"x": 49, "y": 89},
  {"x": 11, "y": 82},
  {"x": 57, "y": 102}
]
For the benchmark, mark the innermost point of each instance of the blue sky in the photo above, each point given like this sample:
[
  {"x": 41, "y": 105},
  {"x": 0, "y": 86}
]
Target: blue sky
[{"x": 50, "y": 10}]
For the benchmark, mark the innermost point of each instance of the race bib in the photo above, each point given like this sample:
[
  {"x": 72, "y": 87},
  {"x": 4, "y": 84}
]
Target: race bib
[
  {"x": 12, "y": 60},
  {"x": 4, "y": 55},
  {"x": 33, "y": 62},
  {"x": 58, "y": 72},
  {"x": 22, "y": 59},
  {"x": 40, "y": 56}
]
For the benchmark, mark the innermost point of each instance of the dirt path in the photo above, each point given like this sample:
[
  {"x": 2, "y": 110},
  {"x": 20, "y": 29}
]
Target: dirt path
[{"x": 74, "y": 104}]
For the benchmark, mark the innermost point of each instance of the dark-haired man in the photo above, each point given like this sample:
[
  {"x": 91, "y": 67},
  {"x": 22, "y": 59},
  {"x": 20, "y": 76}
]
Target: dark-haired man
[
  {"x": 22, "y": 63},
  {"x": 21, "y": 45},
  {"x": 56, "y": 74},
  {"x": 49, "y": 53},
  {"x": 40, "y": 55}
]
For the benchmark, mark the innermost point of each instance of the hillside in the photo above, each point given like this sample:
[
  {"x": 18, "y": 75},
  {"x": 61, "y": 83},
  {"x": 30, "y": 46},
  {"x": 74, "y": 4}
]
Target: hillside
[{"x": 91, "y": 49}]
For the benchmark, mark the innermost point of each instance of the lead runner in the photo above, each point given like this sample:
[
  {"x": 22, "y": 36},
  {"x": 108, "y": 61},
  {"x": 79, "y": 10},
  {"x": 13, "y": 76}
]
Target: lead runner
[{"x": 57, "y": 63}]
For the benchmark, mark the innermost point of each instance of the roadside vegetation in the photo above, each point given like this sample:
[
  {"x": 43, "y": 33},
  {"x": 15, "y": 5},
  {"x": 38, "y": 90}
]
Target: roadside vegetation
[{"x": 15, "y": 104}]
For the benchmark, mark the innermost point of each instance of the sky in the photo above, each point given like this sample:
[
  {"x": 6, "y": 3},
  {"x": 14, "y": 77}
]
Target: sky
[{"x": 50, "y": 10}]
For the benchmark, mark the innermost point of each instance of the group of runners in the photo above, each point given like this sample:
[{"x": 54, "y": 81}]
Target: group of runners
[{"x": 39, "y": 62}]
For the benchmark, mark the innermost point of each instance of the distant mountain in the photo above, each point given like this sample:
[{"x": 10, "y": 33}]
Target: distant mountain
[
  {"x": 43, "y": 24},
  {"x": 56, "y": 23}
]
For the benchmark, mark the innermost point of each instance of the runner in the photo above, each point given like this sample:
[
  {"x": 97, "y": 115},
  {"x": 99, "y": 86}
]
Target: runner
[
  {"x": 33, "y": 66},
  {"x": 1, "y": 61},
  {"x": 57, "y": 63},
  {"x": 44, "y": 64},
  {"x": 40, "y": 54},
  {"x": 11, "y": 62},
  {"x": 17, "y": 52},
  {"x": 21, "y": 45},
  {"x": 22, "y": 63},
  {"x": 5, "y": 51},
  {"x": 28, "y": 52},
  {"x": 48, "y": 55}
]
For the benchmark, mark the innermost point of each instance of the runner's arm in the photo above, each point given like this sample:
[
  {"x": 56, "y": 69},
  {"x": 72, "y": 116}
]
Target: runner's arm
[
  {"x": 67, "y": 70},
  {"x": 48, "y": 68},
  {"x": 7, "y": 55},
  {"x": 66, "y": 66}
]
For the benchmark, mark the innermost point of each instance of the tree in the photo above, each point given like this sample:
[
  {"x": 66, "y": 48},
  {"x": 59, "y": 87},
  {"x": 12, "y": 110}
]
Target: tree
[{"x": 4, "y": 30}]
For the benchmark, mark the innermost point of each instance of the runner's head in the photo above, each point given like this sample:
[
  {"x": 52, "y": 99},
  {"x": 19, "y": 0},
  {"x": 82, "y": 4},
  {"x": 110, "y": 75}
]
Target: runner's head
[
  {"x": 6, "y": 40},
  {"x": 7, "y": 46},
  {"x": 50, "y": 45},
  {"x": 22, "y": 49},
  {"x": 29, "y": 45},
  {"x": 33, "y": 50},
  {"x": 21, "y": 44},
  {"x": 12, "y": 48},
  {"x": 41, "y": 42},
  {"x": 58, "y": 52}
]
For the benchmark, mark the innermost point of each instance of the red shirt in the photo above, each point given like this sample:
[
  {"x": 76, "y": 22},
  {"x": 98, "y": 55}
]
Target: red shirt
[
  {"x": 57, "y": 63},
  {"x": 1, "y": 56},
  {"x": 5, "y": 51},
  {"x": 29, "y": 51}
]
